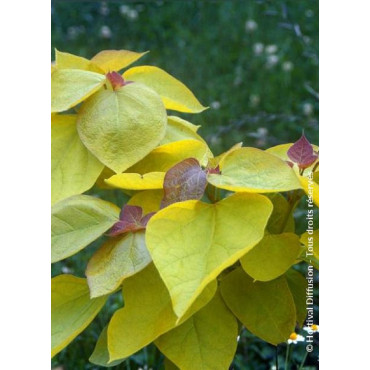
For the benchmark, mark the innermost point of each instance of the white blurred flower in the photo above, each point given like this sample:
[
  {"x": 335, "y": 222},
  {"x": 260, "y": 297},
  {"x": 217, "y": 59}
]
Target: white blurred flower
[
  {"x": 66, "y": 270},
  {"x": 251, "y": 25},
  {"x": 271, "y": 49},
  {"x": 295, "y": 338},
  {"x": 215, "y": 105},
  {"x": 132, "y": 14},
  {"x": 307, "y": 39},
  {"x": 307, "y": 109},
  {"x": 273, "y": 367},
  {"x": 311, "y": 329},
  {"x": 272, "y": 60},
  {"x": 258, "y": 48},
  {"x": 104, "y": 9},
  {"x": 238, "y": 338},
  {"x": 105, "y": 32},
  {"x": 124, "y": 9},
  {"x": 254, "y": 100},
  {"x": 287, "y": 66}
]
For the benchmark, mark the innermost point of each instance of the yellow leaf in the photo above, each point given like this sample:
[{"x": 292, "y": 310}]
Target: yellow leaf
[
  {"x": 115, "y": 60},
  {"x": 255, "y": 171},
  {"x": 73, "y": 168},
  {"x": 147, "y": 313},
  {"x": 121, "y": 127},
  {"x": 192, "y": 242},
  {"x": 100, "y": 356},
  {"x": 116, "y": 260},
  {"x": 179, "y": 129},
  {"x": 72, "y": 310},
  {"x": 272, "y": 256},
  {"x": 266, "y": 309},
  {"x": 71, "y": 86},
  {"x": 206, "y": 341},
  {"x": 78, "y": 221},
  {"x": 135, "y": 181},
  {"x": 218, "y": 161},
  {"x": 70, "y": 61},
  {"x": 175, "y": 95},
  {"x": 148, "y": 200},
  {"x": 161, "y": 159}
]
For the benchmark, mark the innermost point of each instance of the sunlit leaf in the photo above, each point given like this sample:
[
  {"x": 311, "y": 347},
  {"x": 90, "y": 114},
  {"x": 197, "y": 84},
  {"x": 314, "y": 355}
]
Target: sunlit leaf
[
  {"x": 272, "y": 256},
  {"x": 184, "y": 181},
  {"x": 147, "y": 313},
  {"x": 148, "y": 200},
  {"x": 207, "y": 340},
  {"x": 135, "y": 181},
  {"x": 71, "y": 86},
  {"x": 73, "y": 168},
  {"x": 115, "y": 60},
  {"x": 218, "y": 161},
  {"x": 116, "y": 260},
  {"x": 297, "y": 285},
  {"x": 175, "y": 95},
  {"x": 70, "y": 61},
  {"x": 72, "y": 310},
  {"x": 254, "y": 170},
  {"x": 134, "y": 123},
  {"x": 192, "y": 242},
  {"x": 266, "y": 309},
  {"x": 165, "y": 156},
  {"x": 78, "y": 221}
]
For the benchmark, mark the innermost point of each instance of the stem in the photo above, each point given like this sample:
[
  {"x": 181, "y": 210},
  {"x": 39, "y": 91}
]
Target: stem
[
  {"x": 303, "y": 361},
  {"x": 287, "y": 357},
  {"x": 277, "y": 358}
]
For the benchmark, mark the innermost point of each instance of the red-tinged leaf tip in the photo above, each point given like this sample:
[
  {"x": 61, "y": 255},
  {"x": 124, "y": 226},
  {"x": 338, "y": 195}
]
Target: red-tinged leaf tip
[
  {"x": 116, "y": 80},
  {"x": 131, "y": 219},
  {"x": 214, "y": 171},
  {"x": 184, "y": 181},
  {"x": 289, "y": 163},
  {"x": 302, "y": 153}
]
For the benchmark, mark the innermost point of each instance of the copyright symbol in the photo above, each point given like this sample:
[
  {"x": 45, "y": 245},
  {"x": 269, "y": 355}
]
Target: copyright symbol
[{"x": 309, "y": 348}]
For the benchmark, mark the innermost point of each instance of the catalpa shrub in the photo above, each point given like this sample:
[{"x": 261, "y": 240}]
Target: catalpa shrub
[{"x": 205, "y": 246}]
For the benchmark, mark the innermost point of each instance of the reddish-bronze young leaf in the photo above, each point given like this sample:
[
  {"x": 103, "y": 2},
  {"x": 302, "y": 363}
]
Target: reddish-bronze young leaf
[
  {"x": 116, "y": 80},
  {"x": 131, "y": 219},
  {"x": 184, "y": 181},
  {"x": 302, "y": 153}
]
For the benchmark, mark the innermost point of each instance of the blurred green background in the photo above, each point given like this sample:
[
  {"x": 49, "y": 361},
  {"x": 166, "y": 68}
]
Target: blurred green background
[{"x": 253, "y": 62}]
